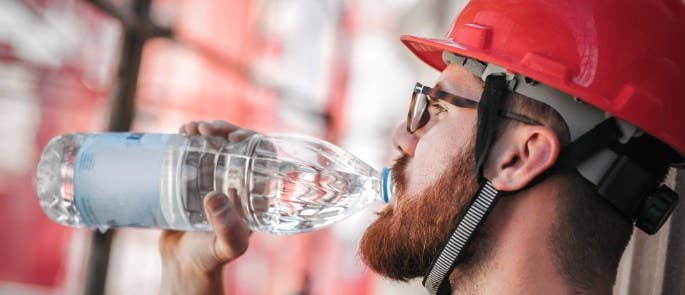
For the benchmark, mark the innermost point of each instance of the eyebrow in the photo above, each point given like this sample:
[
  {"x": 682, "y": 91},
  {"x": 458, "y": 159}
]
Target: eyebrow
[
  {"x": 506, "y": 114},
  {"x": 453, "y": 99},
  {"x": 439, "y": 86}
]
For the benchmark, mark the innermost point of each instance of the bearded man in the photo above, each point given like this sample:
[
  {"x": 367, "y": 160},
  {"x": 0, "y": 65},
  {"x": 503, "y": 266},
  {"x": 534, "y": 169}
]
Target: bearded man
[{"x": 524, "y": 167}]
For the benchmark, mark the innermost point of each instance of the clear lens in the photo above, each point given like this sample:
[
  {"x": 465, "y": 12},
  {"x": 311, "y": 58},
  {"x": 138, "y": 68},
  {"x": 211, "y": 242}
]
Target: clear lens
[{"x": 417, "y": 112}]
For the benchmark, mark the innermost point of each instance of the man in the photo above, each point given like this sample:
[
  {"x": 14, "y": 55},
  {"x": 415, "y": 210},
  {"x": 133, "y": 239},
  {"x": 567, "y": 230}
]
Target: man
[{"x": 524, "y": 168}]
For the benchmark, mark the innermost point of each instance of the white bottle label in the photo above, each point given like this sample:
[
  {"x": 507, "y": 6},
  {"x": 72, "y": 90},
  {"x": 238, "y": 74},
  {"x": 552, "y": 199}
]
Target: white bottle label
[{"x": 117, "y": 178}]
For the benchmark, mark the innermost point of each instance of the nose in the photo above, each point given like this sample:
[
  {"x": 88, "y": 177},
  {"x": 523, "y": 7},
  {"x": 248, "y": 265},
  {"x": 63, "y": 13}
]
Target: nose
[{"x": 404, "y": 140}]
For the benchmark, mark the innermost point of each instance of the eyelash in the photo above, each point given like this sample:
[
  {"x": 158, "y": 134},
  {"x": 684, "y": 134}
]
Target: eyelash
[{"x": 438, "y": 107}]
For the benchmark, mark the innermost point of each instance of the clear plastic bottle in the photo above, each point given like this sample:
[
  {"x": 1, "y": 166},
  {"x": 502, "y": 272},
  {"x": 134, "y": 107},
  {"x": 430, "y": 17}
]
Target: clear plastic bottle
[{"x": 285, "y": 183}]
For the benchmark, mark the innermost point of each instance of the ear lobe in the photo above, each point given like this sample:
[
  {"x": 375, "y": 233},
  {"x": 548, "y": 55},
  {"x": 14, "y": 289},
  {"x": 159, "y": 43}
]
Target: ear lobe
[{"x": 520, "y": 156}]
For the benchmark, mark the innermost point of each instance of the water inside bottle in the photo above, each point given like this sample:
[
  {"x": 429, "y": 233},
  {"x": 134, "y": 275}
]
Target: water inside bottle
[
  {"x": 283, "y": 186},
  {"x": 54, "y": 179},
  {"x": 301, "y": 184},
  {"x": 289, "y": 197}
]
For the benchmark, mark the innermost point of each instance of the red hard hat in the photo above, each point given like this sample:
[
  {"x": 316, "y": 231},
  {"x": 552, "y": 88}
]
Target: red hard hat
[{"x": 624, "y": 57}]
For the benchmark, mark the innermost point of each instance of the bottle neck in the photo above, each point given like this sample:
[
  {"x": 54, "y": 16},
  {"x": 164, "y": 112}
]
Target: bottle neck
[{"x": 387, "y": 185}]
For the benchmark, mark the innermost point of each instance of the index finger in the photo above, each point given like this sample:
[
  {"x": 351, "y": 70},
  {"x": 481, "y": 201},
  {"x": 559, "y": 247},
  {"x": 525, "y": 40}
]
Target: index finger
[{"x": 218, "y": 128}]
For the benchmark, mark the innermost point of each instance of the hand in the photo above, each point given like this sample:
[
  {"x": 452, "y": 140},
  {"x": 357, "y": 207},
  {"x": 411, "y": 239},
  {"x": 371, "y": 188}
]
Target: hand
[{"x": 192, "y": 261}]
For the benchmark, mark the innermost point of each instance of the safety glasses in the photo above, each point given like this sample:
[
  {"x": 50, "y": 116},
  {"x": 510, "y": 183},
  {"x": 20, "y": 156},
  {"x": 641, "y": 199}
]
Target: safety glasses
[{"x": 422, "y": 96}]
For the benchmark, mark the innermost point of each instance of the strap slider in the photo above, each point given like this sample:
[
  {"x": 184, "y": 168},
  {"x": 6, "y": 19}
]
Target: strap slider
[{"x": 656, "y": 209}]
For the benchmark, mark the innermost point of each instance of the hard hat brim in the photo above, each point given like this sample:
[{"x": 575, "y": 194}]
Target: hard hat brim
[{"x": 539, "y": 68}]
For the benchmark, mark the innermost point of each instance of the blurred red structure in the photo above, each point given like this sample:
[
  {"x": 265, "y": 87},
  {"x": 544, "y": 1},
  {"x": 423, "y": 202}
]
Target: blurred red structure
[
  {"x": 204, "y": 73},
  {"x": 33, "y": 249}
]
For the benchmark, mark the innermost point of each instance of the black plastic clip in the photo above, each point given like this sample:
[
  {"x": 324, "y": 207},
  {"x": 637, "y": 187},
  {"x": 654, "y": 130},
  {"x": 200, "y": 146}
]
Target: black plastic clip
[{"x": 656, "y": 209}]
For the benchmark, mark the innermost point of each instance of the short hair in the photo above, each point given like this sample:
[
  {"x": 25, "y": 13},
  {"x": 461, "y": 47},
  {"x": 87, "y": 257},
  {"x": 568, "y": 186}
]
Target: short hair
[{"x": 588, "y": 236}]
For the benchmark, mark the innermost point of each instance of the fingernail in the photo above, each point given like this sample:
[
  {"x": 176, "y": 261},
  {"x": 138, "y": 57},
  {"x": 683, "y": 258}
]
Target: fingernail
[{"x": 218, "y": 203}]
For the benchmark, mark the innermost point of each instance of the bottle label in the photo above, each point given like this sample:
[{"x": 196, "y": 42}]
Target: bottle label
[{"x": 117, "y": 179}]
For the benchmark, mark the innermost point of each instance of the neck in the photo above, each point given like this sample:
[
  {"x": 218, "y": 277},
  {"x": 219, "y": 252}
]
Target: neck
[{"x": 522, "y": 258}]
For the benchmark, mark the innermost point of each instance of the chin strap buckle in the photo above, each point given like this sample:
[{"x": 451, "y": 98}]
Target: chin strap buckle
[
  {"x": 656, "y": 209},
  {"x": 631, "y": 190}
]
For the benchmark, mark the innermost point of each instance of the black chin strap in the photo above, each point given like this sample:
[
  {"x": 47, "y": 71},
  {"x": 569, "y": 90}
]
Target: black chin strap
[
  {"x": 489, "y": 108},
  {"x": 474, "y": 214},
  {"x": 437, "y": 279}
]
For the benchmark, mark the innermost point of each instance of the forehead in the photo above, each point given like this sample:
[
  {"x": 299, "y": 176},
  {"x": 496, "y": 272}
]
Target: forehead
[{"x": 456, "y": 79}]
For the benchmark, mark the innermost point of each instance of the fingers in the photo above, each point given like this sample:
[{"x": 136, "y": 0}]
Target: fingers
[
  {"x": 189, "y": 128},
  {"x": 232, "y": 233},
  {"x": 239, "y": 135},
  {"x": 216, "y": 128}
]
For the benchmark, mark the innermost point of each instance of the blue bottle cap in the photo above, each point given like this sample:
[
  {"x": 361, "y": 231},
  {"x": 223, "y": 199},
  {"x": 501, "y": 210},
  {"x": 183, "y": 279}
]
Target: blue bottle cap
[{"x": 387, "y": 184}]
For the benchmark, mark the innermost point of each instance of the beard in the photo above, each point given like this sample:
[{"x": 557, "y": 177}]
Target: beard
[{"x": 405, "y": 239}]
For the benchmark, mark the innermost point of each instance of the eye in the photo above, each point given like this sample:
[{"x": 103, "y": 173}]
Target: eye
[{"x": 437, "y": 107}]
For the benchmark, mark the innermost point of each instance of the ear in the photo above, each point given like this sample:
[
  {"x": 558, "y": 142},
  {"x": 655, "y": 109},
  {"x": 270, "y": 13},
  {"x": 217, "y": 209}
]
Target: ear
[{"x": 520, "y": 155}]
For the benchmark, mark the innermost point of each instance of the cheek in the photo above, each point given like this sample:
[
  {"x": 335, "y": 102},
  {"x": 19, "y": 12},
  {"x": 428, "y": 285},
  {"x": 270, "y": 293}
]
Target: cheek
[
  {"x": 427, "y": 165},
  {"x": 433, "y": 153}
]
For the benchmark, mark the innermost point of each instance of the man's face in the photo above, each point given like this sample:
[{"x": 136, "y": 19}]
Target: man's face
[{"x": 435, "y": 178}]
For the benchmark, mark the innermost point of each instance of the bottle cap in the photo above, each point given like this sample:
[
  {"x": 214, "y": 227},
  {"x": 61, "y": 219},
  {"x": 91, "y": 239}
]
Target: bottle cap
[{"x": 387, "y": 185}]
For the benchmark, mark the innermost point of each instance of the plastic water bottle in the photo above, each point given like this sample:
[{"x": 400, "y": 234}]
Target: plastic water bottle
[{"x": 285, "y": 183}]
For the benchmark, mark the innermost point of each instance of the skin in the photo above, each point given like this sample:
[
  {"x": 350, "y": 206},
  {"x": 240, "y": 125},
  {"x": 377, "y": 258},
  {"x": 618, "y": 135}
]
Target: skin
[{"x": 192, "y": 261}]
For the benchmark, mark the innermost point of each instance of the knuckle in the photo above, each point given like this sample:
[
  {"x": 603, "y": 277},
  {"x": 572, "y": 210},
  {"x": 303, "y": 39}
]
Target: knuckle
[
  {"x": 229, "y": 249},
  {"x": 234, "y": 239},
  {"x": 221, "y": 124},
  {"x": 238, "y": 246},
  {"x": 241, "y": 248},
  {"x": 239, "y": 134}
]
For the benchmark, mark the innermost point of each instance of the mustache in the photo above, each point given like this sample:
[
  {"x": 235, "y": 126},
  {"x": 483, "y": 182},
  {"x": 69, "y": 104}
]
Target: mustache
[
  {"x": 399, "y": 175},
  {"x": 385, "y": 212},
  {"x": 402, "y": 159}
]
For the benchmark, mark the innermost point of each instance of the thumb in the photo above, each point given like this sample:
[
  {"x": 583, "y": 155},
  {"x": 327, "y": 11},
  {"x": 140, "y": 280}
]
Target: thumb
[{"x": 231, "y": 232}]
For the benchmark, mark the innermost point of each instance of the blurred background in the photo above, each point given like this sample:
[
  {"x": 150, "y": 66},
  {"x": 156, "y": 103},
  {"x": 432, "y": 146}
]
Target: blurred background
[{"x": 334, "y": 69}]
